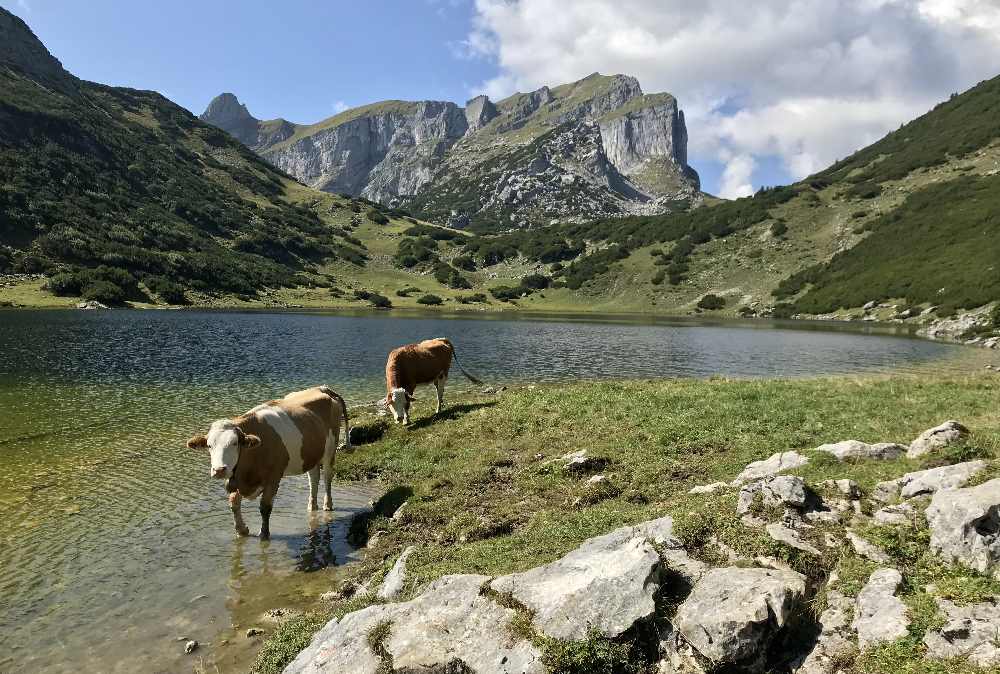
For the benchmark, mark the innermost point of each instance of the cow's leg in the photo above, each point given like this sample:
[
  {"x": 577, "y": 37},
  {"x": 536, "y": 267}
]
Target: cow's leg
[
  {"x": 329, "y": 458},
  {"x": 266, "y": 499},
  {"x": 313, "y": 487},
  {"x": 235, "y": 500},
  {"x": 439, "y": 383}
]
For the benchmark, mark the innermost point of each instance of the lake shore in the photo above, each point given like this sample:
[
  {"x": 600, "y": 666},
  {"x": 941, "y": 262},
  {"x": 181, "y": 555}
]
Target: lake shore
[{"x": 488, "y": 495}]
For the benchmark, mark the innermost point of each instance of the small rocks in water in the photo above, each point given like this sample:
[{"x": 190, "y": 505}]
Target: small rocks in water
[
  {"x": 855, "y": 449},
  {"x": 732, "y": 613},
  {"x": 392, "y": 585},
  {"x": 948, "y": 433},
  {"x": 880, "y": 616},
  {"x": 774, "y": 464},
  {"x": 191, "y": 646},
  {"x": 970, "y": 632},
  {"x": 965, "y": 526},
  {"x": 868, "y": 550},
  {"x": 708, "y": 488},
  {"x": 254, "y": 632}
]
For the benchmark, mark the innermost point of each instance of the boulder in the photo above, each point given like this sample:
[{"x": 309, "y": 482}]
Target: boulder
[
  {"x": 868, "y": 550},
  {"x": 790, "y": 537},
  {"x": 450, "y": 627},
  {"x": 965, "y": 526},
  {"x": 901, "y": 513},
  {"x": 848, "y": 450},
  {"x": 887, "y": 490},
  {"x": 936, "y": 479},
  {"x": 733, "y": 613},
  {"x": 948, "y": 433},
  {"x": 834, "y": 641},
  {"x": 678, "y": 657},
  {"x": 708, "y": 488},
  {"x": 880, "y": 616},
  {"x": 607, "y": 584},
  {"x": 392, "y": 584},
  {"x": 970, "y": 632},
  {"x": 774, "y": 464},
  {"x": 782, "y": 490}
]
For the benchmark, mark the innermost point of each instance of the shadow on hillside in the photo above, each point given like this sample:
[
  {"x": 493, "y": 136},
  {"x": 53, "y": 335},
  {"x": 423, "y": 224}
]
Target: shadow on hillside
[{"x": 449, "y": 414}]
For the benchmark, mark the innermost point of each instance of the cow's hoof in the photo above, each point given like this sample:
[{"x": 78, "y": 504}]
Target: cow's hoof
[
  {"x": 327, "y": 506},
  {"x": 264, "y": 535}
]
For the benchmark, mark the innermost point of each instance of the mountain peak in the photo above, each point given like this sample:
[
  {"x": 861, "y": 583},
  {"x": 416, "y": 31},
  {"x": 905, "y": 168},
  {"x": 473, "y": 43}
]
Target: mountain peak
[
  {"x": 22, "y": 50},
  {"x": 224, "y": 110}
]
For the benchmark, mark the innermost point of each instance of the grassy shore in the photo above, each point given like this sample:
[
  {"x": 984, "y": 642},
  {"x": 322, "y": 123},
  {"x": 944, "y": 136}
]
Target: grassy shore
[{"x": 482, "y": 497}]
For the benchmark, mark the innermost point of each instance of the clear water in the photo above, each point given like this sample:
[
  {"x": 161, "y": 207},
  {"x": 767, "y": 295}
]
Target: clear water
[{"x": 114, "y": 542}]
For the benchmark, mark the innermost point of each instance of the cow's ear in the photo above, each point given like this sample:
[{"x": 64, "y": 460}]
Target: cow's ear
[
  {"x": 197, "y": 442},
  {"x": 248, "y": 441}
]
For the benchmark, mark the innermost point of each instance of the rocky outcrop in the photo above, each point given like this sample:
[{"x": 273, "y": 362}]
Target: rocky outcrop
[
  {"x": 949, "y": 433},
  {"x": 855, "y": 449},
  {"x": 970, "y": 632},
  {"x": 21, "y": 50},
  {"x": 774, "y": 464},
  {"x": 450, "y": 627},
  {"x": 773, "y": 492},
  {"x": 965, "y": 526},
  {"x": 607, "y": 584},
  {"x": 927, "y": 481},
  {"x": 834, "y": 641},
  {"x": 392, "y": 585},
  {"x": 732, "y": 613},
  {"x": 880, "y": 615},
  {"x": 593, "y": 148}
]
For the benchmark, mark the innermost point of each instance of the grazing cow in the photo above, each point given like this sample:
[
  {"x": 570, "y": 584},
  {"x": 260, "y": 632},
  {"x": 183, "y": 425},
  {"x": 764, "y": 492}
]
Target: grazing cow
[
  {"x": 415, "y": 364},
  {"x": 291, "y": 436}
]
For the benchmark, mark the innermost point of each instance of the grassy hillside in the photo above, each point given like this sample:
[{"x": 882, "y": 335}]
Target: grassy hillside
[{"x": 483, "y": 499}]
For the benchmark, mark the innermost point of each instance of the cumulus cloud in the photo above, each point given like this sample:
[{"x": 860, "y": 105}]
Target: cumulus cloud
[
  {"x": 805, "y": 80},
  {"x": 339, "y": 106},
  {"x": 735, "y": 180}
]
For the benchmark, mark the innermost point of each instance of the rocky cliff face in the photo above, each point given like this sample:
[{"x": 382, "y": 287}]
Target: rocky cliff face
[
  {"x": 591, "y": 148},
  {"x": 22, "y": 50}
]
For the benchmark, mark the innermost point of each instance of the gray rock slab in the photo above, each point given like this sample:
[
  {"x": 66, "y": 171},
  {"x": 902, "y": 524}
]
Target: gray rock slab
[
  {"x": 895, "y": 515},
  {"x": 971, "y": 632},
  {"x": 392, "y": 584},
  {"x": 732, "y": 613},
  {"x": 949, "y": 433},
  {"x": 606, "y": 584},
  {"x": 449, "y": 627},
  {"x": 880, "y": 616},
  {"x": 834, "y": 641},
  {"x": 935, "y": 479},
  {"x": 777, "y": 491},
  {"x": 867, "y": 549},
  {"x": 965, "y": 526},
  {"x": 849, "y": 450},
  {"x": 774, "y": 464},
  {"x": 790, "y": 537}
]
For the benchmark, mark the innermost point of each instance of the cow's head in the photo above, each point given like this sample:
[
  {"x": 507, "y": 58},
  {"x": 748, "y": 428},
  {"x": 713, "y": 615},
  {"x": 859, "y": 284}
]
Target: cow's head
[
  {"x": 399, "y": 401},
  {"x": 225, "y": 441}
]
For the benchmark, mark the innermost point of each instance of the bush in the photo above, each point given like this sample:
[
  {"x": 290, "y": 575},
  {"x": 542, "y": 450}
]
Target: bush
[
  {"x": 779, "y": 228},
  {"x": 506, "y": 293},
  {"x": 405, "y": 292},
  {"x": 377, "y": 216},
  {"x": 465, "y": 262},
  {"x": 658, "y": 279},
  {"x": 379, "y": 301},
  {"x": 430, "y": 300},
  {"x": 169, "y": 292},
  {"x": 535, "y": 282},
  {"x": 64, "y": 285},
  {"x": 475, "y": 298},
  {"x": 711, "y": 302},
  {"x": 104, "y": 292}
]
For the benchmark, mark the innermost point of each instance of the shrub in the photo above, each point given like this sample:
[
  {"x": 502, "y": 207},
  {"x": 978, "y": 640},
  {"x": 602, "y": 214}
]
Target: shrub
[
  {"x": 711, "y": 302},
  {"x": 405, "y": 292},
  {"x": 64, "y": 285},
  {"x": 104, "y": 292},
  {"x": 535, "y": 282},
  {"x": 506, "y": 293},
  {"x": 779, "y": 228},
  {"x": 169, "y": 292},
  {"x": 377, "y": 216},
  {"x": 658, "y": 279},
  {"x": 430, "y": 300},
  {"x": 362, "y": 294},
  {"x": 380, "y": 301},
  {"x": 475, "y": 298},
  {"x": 465, "y": 262}
]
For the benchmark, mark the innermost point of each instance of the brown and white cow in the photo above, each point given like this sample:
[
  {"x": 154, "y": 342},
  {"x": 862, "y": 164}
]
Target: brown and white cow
[
  {"x": 415, "y": 364},
  {"x": 291, "y": 436}
]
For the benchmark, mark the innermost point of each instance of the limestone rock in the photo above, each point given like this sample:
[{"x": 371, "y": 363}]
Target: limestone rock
[
  {"x": 834, "y": 641},
  {"x": 887, "y": 490},
  {"x": 936, "y": 479},
  {"x": 880, "y": 616},
  {"x": 392, "y": 585},
  {"x": 479, "y": 111},
  {"x": 965, "y": 526},
  {"x": 901, "y": 513},
  {"x": 782, "y": 490},
  {"x": 732, "y": 613},
  {"x": 971, "y": 632},
  {"x": 790, "y": 537},
  {"x": 948, "y": 433},
  {"x": 678, "y": 657},
  {"x": 606, "y": 584},
  {"x": 867, "y": 549},
  {"x": 854, "y": 449},
  {"x": 450, "y": 627},
  {"x": 774, "y": 464},
  {"x": 708, "y": 488}
]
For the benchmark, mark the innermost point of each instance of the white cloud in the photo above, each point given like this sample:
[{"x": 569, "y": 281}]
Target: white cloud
[
  {"x": 807, "y": 80},
  {"x": 735, "y": 181},
  {"x": 339, "y": 106}
]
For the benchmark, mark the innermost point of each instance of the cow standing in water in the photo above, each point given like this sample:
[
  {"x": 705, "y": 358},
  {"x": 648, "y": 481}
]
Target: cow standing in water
[
  {"x": 415, "y": 364},
  {"x": 295, "y": 435}
]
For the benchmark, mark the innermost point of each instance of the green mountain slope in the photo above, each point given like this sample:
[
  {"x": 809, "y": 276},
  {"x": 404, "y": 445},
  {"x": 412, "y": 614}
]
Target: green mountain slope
[{"x": 110, "y": 186}]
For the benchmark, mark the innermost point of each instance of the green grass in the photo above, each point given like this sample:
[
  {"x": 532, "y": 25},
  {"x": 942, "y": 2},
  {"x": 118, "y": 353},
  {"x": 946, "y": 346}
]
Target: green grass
[{"x": 484, "y": 502}]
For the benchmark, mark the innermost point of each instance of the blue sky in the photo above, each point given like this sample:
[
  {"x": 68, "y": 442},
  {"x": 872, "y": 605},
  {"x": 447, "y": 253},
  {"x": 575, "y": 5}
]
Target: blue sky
[{"x": 772, "y": 91}]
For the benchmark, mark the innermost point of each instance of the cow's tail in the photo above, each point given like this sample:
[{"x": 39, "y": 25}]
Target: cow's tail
[
  {"x": 343, "y": 408},
  {"x": 468, "y": 376}
]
